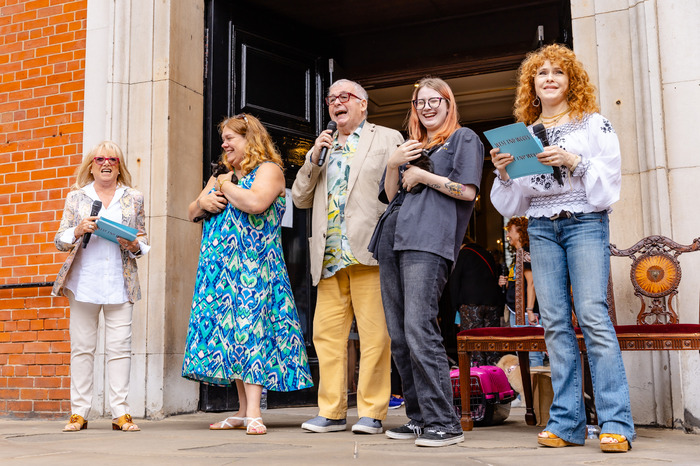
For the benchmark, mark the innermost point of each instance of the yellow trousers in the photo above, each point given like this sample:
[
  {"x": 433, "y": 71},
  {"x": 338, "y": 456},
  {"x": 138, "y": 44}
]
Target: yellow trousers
[{"x": 353, "y": 290}]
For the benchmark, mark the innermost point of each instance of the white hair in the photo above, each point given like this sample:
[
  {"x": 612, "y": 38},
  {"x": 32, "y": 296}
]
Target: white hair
[{"x": 359, "y": 90}]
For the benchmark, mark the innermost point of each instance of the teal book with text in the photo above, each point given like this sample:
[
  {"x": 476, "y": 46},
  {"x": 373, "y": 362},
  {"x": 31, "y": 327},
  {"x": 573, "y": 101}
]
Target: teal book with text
[
  {"x": 109, "y": 229},
  {"x": 517, "y": 141}
]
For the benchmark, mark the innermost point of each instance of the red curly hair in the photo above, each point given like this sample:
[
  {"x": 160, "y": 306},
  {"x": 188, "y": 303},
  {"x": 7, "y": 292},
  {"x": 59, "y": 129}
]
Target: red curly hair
[
  {"x": 520, "y": 224},
  {"x": 580, "y": 96},
  {"x": 417, "y": 131}
]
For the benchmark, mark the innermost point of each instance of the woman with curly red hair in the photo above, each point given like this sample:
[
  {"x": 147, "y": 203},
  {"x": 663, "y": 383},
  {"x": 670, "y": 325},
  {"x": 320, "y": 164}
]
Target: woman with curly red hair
[
  {"x": 569, "y": 241},
  {"x": 516, "y": 234}
]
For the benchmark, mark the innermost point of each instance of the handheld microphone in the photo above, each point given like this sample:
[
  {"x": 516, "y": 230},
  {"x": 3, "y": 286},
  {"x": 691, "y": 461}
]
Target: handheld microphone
[
  {"x": 503, "y": 271},
  {"x": 541, "y": 134},
  {"x": 332, "y": 125},
  {"x": 96, "y": 206}
]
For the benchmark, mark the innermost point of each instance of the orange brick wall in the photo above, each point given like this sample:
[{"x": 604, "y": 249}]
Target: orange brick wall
[{"x": 42, "y": 68}]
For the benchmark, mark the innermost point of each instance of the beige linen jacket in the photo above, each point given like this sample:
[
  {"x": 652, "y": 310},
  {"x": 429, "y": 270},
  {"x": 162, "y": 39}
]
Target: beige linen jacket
[
  {"x": 363, "y": 207},
  {"x": 78, "y": 206}
]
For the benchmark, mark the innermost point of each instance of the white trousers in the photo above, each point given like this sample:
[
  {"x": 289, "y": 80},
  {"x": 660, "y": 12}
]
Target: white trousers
[{"x": 84, "y": 318}]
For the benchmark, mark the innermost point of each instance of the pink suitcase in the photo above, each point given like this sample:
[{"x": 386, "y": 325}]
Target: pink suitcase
[{"x": 491, "y": 395}]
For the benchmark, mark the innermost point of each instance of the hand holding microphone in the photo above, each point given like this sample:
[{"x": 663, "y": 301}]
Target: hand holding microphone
[
  {"x": 332, "y": 126},
  {"x": 503, "y": 277},
  {"x": 96, "y": 206},
  {"x": 541, "y": 134}
]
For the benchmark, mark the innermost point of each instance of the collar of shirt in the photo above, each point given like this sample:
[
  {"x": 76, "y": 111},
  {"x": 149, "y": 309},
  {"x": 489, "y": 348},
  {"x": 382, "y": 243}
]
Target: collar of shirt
[
  {"x": 92, "y": 194},
  {"x": 354, "y": 136}
]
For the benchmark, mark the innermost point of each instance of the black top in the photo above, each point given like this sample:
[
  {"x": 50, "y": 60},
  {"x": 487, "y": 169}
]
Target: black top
[{"x": 474, "y": 279}]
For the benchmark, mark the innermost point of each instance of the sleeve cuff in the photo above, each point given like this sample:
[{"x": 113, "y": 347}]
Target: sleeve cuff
[
  {"x": 144, "y": 248},
  {"x": 505, "y": 184},
  {"x": 68, "y": 236},
  {"x": 581, "y": 167}
]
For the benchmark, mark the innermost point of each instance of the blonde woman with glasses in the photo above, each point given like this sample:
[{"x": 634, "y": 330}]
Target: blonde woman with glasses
[{"x": 100, "y": 276}]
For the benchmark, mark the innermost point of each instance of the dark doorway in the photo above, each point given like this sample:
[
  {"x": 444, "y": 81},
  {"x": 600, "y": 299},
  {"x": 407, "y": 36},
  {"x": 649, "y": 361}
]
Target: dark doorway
[{"x": 276, "y": 59}]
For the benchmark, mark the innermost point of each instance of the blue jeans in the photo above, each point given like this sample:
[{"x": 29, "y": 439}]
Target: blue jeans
[
  {"x": 578, "y": 248},
  {"x": 412, "y": 282},
  {"x": 536, "y": 357}
]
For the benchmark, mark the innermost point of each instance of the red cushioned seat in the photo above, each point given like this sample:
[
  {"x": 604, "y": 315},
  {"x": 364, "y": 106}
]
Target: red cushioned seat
[
  {"x": 503, "y": 332},
  {"x": 675, "y": 329}
]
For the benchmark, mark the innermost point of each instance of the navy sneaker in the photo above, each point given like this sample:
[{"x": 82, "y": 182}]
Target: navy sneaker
[
  {"x": 322, "y": 424},
  {"x": 367, "y": 425},
  {"x": 408, "y": 431},
  {"x": 395, "y": 402},
  {"x": 435, "y": 437}
]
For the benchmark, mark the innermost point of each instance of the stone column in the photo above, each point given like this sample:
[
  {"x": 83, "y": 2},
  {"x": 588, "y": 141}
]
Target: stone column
[
  {"x": 643, "y": 57},
  {"x": 144, "y": 90}
]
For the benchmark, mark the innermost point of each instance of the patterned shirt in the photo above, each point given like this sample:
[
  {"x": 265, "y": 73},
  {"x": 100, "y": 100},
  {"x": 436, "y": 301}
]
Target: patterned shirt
[{"x": 338, "y": 253}]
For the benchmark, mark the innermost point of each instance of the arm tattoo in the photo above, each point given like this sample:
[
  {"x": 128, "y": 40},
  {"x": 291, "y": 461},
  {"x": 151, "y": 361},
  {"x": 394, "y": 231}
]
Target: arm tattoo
[{"x": 456, "y": 189}]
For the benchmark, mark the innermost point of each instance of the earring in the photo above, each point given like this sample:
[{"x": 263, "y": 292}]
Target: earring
[{"x": 536, "y": 102}]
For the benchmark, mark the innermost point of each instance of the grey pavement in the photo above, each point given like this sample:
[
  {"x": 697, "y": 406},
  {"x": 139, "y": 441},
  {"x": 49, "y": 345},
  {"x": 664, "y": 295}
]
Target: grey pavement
[{"x": 185, "y": 439}]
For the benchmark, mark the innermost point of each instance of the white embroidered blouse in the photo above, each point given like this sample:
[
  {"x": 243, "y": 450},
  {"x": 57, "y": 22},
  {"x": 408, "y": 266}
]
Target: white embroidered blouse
[{"x": 592, "y": 187}]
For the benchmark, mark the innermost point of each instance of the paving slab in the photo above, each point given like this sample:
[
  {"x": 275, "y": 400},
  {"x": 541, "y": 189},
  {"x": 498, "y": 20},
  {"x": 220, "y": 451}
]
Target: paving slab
[{"x": 185, "y": 439}]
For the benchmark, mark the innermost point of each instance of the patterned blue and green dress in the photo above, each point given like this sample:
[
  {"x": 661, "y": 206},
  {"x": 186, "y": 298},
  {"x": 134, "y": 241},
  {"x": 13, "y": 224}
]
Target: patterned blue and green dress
[{"x": 244, "y": 323}]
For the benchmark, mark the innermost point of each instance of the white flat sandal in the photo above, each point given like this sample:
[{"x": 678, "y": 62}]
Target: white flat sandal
[{"x": 229, "y": 423}]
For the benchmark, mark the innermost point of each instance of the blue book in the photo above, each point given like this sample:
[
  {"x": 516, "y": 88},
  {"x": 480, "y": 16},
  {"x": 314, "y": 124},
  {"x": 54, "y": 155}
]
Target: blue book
[
  {"x": 109, "y": 229},
  {"x": 517, "y": 141}
]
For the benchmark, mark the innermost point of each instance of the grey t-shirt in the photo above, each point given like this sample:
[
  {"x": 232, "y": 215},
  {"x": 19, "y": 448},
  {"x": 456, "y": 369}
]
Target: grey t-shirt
[{"x": 431, "y": 221}]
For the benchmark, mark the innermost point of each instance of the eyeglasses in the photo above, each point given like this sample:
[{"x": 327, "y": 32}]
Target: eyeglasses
[
  {"x": 241, "y": 116},
  {"x": 101, "y": 160},
  {"x": 433, "y": 102},
  {"x": 342, "y": 97}
]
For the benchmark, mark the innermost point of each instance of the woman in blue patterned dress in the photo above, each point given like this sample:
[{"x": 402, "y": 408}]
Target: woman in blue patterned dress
[{"x": 244, "y": 327}]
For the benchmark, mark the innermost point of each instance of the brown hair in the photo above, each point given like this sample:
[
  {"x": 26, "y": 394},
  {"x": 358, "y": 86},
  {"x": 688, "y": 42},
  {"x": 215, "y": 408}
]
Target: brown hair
[
  {"x": 107, "y": 149},
  {"x": 417, "y": 131},
  {"x": 520, "y": 224},
  {"x": 259, "y": 147},
  {"x": 580, "y": 96}
]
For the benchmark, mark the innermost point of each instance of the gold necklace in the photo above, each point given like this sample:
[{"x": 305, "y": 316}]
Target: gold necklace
[
  {"x": 567, "y": 110},
  {"x": 552, "y": 121}
]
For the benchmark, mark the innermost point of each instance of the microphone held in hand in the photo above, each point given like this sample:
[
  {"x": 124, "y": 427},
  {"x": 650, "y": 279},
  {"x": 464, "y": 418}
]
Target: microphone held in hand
[
  {"x": 96, "y": 206},
  {"x": 503, "y": 272},
  {"x": 541, "y": 134},
  {"x": 332, "y": 125}
]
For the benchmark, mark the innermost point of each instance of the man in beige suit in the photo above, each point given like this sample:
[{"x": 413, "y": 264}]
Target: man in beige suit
[{"x": 344, "y": 195}]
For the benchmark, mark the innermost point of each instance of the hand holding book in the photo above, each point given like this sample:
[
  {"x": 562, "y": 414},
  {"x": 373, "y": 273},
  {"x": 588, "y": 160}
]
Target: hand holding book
[
  {"x": 516, "y": 151},
  {"x": 119, "y": 233}
]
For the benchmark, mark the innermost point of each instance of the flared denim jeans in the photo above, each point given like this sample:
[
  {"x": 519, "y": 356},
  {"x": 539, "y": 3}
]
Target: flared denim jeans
[
  {"x": 412, "y": 282},
  {"x": 576, "y": 251}
]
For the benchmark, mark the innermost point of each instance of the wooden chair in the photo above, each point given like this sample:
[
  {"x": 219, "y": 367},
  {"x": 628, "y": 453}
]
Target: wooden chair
[{"x": 655, "y": 275}]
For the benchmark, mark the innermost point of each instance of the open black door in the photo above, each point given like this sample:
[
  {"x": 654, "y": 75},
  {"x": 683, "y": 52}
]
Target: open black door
[{"x": 258, "y": 65}]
